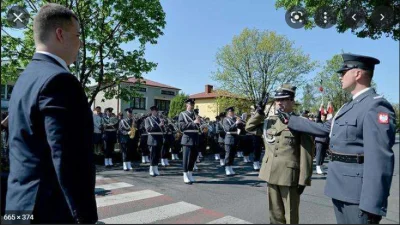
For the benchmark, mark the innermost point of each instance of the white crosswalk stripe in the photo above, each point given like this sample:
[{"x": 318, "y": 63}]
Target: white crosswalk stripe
[
  {"x": 153, "y": 214},
  {"x": 112, "y": 186},
  {"x": 110, "y": 205},
  {"x": 127, "y": 197},
  {"x": 228, "y": 220}
]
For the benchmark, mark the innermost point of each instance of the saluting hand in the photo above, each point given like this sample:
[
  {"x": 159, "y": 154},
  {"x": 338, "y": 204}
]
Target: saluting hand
[{"x": 283, "y": 116}]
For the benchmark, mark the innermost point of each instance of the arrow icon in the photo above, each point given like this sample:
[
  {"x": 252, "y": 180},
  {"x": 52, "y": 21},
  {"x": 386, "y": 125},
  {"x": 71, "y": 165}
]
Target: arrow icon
[
  {"x": 354, "y": 17},
  {"x": 382, "y": 17}
]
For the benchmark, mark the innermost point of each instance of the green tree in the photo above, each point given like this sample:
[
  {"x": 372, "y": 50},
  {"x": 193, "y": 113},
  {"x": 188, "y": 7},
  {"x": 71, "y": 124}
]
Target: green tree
[
  {"x": 257, "y": 62},
  {"x": 397, "y": 111},
  {"x": 368, "y": 30},
  {"x": 241, "y": 105},
  {"x": 308, "y": 101},
  {"x": 105, "y": 26},
  {"x": 177, "y": 105}
]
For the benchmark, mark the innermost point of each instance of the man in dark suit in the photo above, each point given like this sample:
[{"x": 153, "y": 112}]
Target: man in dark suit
[{"x": 52, "y": 172}]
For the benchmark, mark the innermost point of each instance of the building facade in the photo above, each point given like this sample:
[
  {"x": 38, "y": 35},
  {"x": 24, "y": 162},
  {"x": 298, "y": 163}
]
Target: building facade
[{"x": 153, "y": 93}]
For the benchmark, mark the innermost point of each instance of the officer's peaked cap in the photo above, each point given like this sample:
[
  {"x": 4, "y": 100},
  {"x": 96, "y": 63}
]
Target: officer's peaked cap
[
  {"x": 191, "y": 101},
  {"x": 352, "y": 61},
  {"x": 285, "y": 91}
]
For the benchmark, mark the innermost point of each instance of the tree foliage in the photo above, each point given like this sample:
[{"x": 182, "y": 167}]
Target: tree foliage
[
  {"x": 225, "y": 100},
  {"x": 177, "y": 105},
  {"x": 397, "y": 111},
  {"x": 309, "y": 102},
  {"x": 257, "y": 62},
  {"x": 105, "y": 26},
  {"x": 368, "y": 30}
]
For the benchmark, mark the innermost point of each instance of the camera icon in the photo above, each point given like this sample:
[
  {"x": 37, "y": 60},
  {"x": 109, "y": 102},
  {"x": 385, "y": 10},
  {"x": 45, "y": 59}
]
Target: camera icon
[{"x": 296, "y": 17}]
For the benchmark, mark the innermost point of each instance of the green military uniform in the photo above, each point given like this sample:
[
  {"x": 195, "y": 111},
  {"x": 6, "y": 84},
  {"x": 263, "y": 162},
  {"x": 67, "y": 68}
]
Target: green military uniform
[{"x": 287, "y": 163}]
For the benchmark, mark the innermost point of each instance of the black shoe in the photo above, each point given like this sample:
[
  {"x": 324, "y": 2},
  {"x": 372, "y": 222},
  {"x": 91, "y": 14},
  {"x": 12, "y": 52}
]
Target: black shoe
[{"x": 126, "y": 170}]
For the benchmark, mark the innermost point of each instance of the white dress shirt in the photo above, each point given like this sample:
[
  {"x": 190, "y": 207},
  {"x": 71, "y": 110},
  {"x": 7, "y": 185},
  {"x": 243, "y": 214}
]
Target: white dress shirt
[
  {"x": 360, "y": 92},
  {"x": 60, "y": 60}
]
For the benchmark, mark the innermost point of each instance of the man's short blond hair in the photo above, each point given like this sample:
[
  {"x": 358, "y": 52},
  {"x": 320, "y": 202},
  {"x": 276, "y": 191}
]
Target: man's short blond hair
[{"x": 50, "y": 17}]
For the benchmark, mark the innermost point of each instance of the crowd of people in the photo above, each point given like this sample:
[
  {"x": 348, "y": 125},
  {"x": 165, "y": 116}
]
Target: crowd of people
[{"x": 161, "y": 140}]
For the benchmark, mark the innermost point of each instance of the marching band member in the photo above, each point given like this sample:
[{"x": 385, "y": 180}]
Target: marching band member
[
  {"x": 245, "y": 141},
  {"x": 189, "y": 124},
  {"x": 176, "y": 144},
  {"x": 219, "y": 129},
  {"x": 127, "y": 130},
  {"x": 143, "y": 148},
  {"x": 109, "y": 135},
  {"x": 98, "y": 130},
  {"x": 155, "y": 129},
  {"x": 230, "y": 125},
  {"x": 167, "y": 141}
]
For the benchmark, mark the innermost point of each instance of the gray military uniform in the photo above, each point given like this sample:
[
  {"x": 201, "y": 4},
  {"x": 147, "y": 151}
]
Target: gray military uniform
[
  {"x": 365, "y": 126},
  {"x": 154, "y": 138},
  {"x": 231, "y": 139}
]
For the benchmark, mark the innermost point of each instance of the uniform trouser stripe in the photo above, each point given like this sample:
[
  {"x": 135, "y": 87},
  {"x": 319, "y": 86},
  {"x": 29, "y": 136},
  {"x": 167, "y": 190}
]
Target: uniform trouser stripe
[{"x": 189, "y": 157}]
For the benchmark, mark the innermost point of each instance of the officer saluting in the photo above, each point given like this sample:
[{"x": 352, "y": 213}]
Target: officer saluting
[
  {"x": 287, "y": 163},
  {"x": 362, "y": 136}
]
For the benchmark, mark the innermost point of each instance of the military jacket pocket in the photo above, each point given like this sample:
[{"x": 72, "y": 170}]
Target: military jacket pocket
[{"x": 349, "y": 127}]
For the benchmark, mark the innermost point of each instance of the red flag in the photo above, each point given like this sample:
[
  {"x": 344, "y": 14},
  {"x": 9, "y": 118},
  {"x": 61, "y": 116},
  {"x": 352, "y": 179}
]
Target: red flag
[{"x": 321, "y": 109}]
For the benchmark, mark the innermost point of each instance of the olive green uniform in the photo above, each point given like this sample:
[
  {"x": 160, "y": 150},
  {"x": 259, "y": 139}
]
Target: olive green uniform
[{"x": 287, "y": 163}]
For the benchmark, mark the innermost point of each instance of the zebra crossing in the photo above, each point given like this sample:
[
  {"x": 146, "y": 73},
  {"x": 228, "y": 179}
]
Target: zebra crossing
[{"x": 124, "y": 203}]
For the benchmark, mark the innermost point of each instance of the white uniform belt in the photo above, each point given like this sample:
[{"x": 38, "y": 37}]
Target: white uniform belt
[
  {"x": 110, "y": 130},
  {"x": 190, "y": 131},
  {"x": 231, "y": 133},
  {"x": 156, "y": 133}
]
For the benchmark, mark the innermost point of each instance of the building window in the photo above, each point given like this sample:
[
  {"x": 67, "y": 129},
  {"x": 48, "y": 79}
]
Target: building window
[
  {"x": 9, "y": 91},
  {"x": 138, "y": 103},
  {"x": 162, "y": 105},
  {"x": 3, "y": 91},
  {"x": 6, "y": 91},
  {"x": 164, "y": 92}
]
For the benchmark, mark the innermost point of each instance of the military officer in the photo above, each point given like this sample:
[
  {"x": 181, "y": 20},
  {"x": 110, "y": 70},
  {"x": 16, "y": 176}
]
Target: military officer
[
  {"x": 189, "y": 124},
  {"x": 155, "y": 130},
  {"x": 287, "y": 163},
  {"x": 362, "y": 135},
  {"x": 230, "y": 125}
]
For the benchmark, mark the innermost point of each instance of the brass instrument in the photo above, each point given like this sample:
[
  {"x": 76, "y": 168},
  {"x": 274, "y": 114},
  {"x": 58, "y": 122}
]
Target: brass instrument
[{"x": 133, "y": 130}]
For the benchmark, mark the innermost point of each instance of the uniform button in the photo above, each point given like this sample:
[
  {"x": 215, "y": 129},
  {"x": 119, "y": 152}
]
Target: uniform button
[
  {"x": 333, "y": 134},
  {"x": 346, "y": 121},
  {"x": 276, "y": 148},
  {"x": 358, "y": 174},
  {"x": 331, "y": 146},
  {"x": 276, "y": 155},
  {"x": 277, "y": 141}
]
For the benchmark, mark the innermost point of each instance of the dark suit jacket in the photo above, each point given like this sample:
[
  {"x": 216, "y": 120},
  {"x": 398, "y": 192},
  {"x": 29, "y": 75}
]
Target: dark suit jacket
[{"x": 52, "y": 171}]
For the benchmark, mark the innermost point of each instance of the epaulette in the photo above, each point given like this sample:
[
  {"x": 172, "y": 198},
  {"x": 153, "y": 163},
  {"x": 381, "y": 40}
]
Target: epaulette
[{"x": 378, "y": 97}]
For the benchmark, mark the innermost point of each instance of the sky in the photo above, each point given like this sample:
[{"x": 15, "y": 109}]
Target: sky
[{"x": 196, "y": 30}]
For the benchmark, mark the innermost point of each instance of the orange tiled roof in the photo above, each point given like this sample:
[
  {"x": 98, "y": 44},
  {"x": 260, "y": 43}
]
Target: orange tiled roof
[
  {"x": 213, "y": 94},
  {"x": 150, "y": 83}
]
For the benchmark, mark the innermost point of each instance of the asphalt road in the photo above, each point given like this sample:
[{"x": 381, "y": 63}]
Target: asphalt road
[{"x": 214, "y": 198}]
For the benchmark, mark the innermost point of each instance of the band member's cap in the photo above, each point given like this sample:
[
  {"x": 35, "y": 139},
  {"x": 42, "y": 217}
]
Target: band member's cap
[
  {"x": 217, "y": 117},
  {"x": 191, "y": 101},
  {"x": 352, "y": 61},
  {"x": 223, "y": 114},
  {"x": 285, "y": 91},
  {"x": 128, "y": 110},
  {"x": 110, "y": 109},
  {"x": 154, "y": 108},
  {"x": 230, "y": 109}
]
